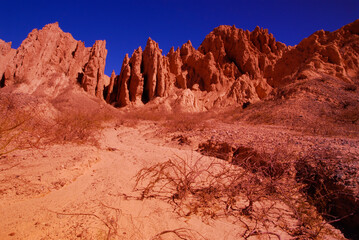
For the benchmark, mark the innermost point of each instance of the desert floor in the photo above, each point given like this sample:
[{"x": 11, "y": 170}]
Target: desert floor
[{"x": 76, "y": 191}]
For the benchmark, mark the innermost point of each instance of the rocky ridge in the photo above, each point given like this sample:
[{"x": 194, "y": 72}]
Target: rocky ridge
[
  {"x": 49, "y": 58},
  {"x": 331, "y": 53},
  {"x": 231, "y": 66}
]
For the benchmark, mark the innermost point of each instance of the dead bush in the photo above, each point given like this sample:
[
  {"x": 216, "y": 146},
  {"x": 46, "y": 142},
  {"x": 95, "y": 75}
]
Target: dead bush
[
  {"x": 173, "y": 179},
  {"x": 19, "y": 126},
  {"x": 78, "y": 126},
  {"x": 181, "y": 233},
  {"x": 270, "y": 165},
  {"x": 215, "y": 188},
  {"x": 330, "y": 184},
  {"x": 221, "y": 150},
  {"x": 182, "y": 140},
  {"x": 100, "y": 222},
  {"x": 25, "y": 124}
]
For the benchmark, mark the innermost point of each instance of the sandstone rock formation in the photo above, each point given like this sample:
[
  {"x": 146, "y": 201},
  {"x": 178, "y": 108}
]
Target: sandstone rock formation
[
  {"x": 49, "y": 57},
  {"x": 93, "y": 79},
  {"x": 230, "y": 62},
  {"x": 136, "y": 80},
  {"x": 109, "y": 89},
  {"x": 231, "y": 66},
  {"x": 6, "y": 54},
  {"x": 249, "y": 52},
  {"x": 143, "y": 77},
  {"x": 331, "y": 53}
]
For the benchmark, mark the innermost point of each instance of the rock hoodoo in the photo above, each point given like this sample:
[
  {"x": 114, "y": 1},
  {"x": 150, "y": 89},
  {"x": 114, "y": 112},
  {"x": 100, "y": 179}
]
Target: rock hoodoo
[
  {"x": 93, "y": 71},
  {"x": 230, "y": 62}
]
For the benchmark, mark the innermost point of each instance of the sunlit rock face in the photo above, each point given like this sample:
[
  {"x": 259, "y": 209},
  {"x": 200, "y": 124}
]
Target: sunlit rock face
[
  {"x": 231, "y": 66},
  {"x": 51, "y": 58},
  {"x": 93, "y": 80},
  {"x": 214, "y": 67},
  {"x": 332, "y": 53}
]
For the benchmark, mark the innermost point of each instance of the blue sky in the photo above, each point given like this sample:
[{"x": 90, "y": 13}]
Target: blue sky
[{"x": 125, "y": 25}]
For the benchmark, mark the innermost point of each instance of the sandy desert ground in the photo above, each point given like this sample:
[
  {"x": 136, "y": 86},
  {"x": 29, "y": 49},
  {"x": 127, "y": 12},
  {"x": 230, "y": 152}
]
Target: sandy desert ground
[{"x": 74, "y": 191}]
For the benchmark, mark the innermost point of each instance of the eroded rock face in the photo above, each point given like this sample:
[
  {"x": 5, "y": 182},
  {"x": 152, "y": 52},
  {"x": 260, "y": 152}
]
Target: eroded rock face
[
  {"x": 201, "y": 68},
  {"x": 250, "y": 52},
  {"x": 231, "y": 66},
  {"x": 330, "y": 53},
  {"x": 109, "y": 90},
  {"x": 175, "y": 64},
  {"x": 48, "y": 56},
  {"x": 215, "y": 67},
  {"x": 136, "y": 80},
  {"x": 144, "y": 76},
  {"x": 151, "y": 59},
  {"x": 123, "y": 82},
  {"x": 6, "y": 54},
  {"x": 93, "y": 80}
]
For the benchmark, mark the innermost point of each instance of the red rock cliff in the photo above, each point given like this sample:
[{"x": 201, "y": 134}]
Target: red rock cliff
[
  {"x": 50, "y": 54},
  {"x": 231, "y": 66}
]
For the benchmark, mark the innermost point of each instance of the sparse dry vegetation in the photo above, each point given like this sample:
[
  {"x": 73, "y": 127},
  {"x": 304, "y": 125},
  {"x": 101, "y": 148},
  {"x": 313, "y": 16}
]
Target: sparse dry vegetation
[
  {"x": 18, "y": 126},
  {"x": 265, "y": 194},
  {"x": 180, "y": 233},
  {"x": 24, "y": 126},
  {"x": 321, "y": 107},
  {"x": 78, "y": 126},
  {"x": 330, "y": 184},
  {"x": 260, "y": 199},
  {"x": 110, "y": 223}
]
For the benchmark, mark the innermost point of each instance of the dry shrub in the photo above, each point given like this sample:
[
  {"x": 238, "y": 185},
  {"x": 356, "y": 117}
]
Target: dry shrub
[
  {"x": 101, "y": 222},
  {"x": 180, "y": 233},
  {"x": 215, "y": 188},
  {"x": 221, "y": 150},
  {"x": 182, "y": 140},
  {"x": 271, "y": 165},
  {"x": 77, "y": 127},
  {"x": 173, "y": 179},
  {"x": 24, "y": 124},
  {"x": 19, "y": 126},
  {"x": 330, "y": 184}
]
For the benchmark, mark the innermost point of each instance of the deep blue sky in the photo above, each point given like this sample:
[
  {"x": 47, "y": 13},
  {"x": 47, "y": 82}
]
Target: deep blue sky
[{"x": 125, "y": 25}]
